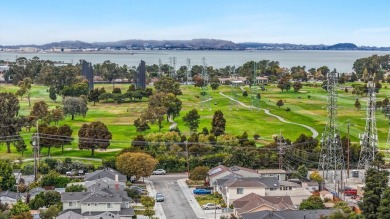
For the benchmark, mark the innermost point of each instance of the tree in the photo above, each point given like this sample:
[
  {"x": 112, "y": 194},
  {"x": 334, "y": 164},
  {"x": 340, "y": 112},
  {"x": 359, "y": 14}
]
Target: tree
[
  {"x": 168, "y": 85},
  {"x": 20, "y": 146},
  {"x": 297, "y": 86},
  {"x": 56, "y": 115},
  {"x": 376, "y": 182},
  {"x": 280, "y": 103},
  {"x": 357, "y": 104},
  {"x": 65, "y": 133},
  {"x": 76, "y": 90},
  {"x": 40, "y": 110},
  {"x": 245, "y": 93},
  {"x": 19, "y": 208},
  {"x": 218, "y": 123},
  {"x": 141, "y": 125},
  {"x": 136, "y": 164},
  {"x": 154, "y": 115},
  {"x": 75, "y": 188},
  {"x": 116, "y": 90},
  {"x": 11, "y": 122},
  {"x": 75, "y": 106},
  {"x": 94, "y": 95},
  {"x": 52, "y": 140},
  {"x": 302, "y": 169},
  {"x": 169, "y": 102},
  {"x": 284, "y": 84},
  {"x": 53, "y": 178},
  {"x": 313, "y": 202},
  {"x": 316, "y": 176},
  {"x": 192, "y": 120},
  {"x": 24, "y": 88},
  {"x": 7, "y": 178},
  {"x": 199, "y": 173},
  {"x": 214, "y": 83},
  {"x": 93, "y": 136},
  {"x": 148, "y": 202},
  {"x": 384, "y": 208},
  {"x": 52, "y": 94},
  {"x": 50, "y": 213}
]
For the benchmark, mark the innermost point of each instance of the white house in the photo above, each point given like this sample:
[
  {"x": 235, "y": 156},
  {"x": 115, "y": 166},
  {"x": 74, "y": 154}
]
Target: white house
[
  {"x": 278, "y": 173},
  {"x": 8, "y": 197},
  {"x": 222, "y": 171},
  {"x": 311, "y": 186}
]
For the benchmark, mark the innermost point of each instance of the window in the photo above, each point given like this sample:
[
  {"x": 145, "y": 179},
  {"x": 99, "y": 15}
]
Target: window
[
  {"x": 70, "y": 204},
  {"x": 109, "y": 205},
  {"x": 240, "y": 191}
]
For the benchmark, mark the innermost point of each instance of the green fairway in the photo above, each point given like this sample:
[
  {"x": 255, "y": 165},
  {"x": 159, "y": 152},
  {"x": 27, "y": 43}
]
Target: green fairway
[{"x": 120, "y": 117}]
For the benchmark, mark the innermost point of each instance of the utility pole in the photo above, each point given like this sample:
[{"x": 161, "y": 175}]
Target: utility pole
[
  {"x": 188, "y": 161},
  {"x": 349, "y": 142}
]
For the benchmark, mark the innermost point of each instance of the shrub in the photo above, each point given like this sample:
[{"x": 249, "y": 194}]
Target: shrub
[
  {"x": 288, "y": 109},
  {"x": 199, "y": 173},
  {"x": 256, "y": 136},
  {"x": 245, "y": 93},
  {"x": 116, "y": 90}
]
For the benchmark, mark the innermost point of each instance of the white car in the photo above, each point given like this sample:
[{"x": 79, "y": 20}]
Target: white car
[
  {"x": 159, "y": 172},
  {"x": 210, "y": 206}
]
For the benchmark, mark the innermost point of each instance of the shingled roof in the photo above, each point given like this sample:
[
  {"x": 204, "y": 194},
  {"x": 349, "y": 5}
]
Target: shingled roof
[
  {"x": 106, "y": 172},
  {"x": 252, "y": 201}
]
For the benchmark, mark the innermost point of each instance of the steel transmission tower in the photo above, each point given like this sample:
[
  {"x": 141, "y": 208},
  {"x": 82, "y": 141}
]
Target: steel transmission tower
[
  {"x": 233, "y": 88},
  {"x": 205, "y": 97},
  {"x": 331, "y": 158},
  {"x": 172, "y": 68},
  {"x": 369, "y": 139},
  {"x": 189, "y": 77},
  {"x": 255, "y": 89}
]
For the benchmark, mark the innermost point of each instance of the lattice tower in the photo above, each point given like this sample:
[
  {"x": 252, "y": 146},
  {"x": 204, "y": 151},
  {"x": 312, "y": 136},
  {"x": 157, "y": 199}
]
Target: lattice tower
[
  {"x": 255, "y": 89},
  {"x": 234, "y": 89},
  {"x": 369, "y": 139},
  {"x": 172, "y": 67},
  {"x": 189, "y": 77},
  {"x": 331, "y": 159},
  {"x": 205, "y": 96},
  {"x": 160, "y": 73}
]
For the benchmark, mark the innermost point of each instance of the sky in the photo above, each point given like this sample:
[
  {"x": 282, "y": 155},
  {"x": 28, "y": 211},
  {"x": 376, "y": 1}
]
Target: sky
[{"x": 365, "y": 23}]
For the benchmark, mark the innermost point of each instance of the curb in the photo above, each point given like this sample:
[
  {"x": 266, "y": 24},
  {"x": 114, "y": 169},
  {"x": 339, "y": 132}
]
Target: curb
[
  {"x": 191, "y": 199},
  {"x": 157, "y": 207}
]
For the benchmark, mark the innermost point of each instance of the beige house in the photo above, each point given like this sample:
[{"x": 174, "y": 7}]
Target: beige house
[
  {"x": 297, "y": 195},
  {"x": 254, "y": 203},
  {"x": 278, "y": 173},
  {"x": 236, "y": 188},
  {"x": 222, "y": 171}
]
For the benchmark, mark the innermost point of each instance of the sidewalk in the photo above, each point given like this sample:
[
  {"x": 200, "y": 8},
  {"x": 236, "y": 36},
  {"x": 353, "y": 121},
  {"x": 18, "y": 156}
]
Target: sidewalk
[
  {"x": 200, "y": 213},
  {"x": 152, "y": 192},
  {"x": 191, "y": 199}
]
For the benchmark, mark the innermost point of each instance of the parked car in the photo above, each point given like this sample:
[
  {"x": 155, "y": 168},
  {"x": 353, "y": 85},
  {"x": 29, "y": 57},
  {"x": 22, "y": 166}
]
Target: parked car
[
  {"x": 139, "y": 189},
  {"x": 210, "y": 206},
  {"x": 201, "y": 191},
  {"x": 159, "y": 172},
  {"x": 70, "y": 173},
  {"x": 159, "y": 197},
  {"x": 350, "y": 192}
]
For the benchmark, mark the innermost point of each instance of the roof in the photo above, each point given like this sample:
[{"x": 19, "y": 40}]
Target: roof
[
  {"x": 288, "y": 183},
  {"x": 73, "y": 196},
  {"x": 70, "y": 214},
  {"x": 288, "y": 214},
  {"x": 233, "y": 169},
  {"x": 244, "y": 182},
  {"x": 13, "y": 195},
  {"x": 106, "y": 172},
  {"x": 252, "y": 201},
  {"x": 102, "y": 198},
  {"x": 270, "y": 171},
  {"x": 311, "y": 183}
]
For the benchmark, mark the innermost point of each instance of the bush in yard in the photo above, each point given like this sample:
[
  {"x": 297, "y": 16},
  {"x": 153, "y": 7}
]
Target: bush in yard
[{"x": 199, "y": 173}]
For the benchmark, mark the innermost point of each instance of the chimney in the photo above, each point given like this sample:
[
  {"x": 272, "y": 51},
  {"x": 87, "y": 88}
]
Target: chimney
[{"x": 116, "y": 182}]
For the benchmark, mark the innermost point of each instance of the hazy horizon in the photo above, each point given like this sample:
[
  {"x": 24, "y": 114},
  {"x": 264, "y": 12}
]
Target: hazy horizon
[{"x": 280, "y": 21}]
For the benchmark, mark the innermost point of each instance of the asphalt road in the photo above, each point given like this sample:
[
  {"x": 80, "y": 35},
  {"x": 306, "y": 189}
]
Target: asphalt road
[{"x": 175, "y": 204}]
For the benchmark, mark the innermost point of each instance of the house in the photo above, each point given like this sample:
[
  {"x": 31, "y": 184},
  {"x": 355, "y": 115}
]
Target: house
[
  {"x": 35, "y": 191},
  {"x": 105, "y": 203},
  {"x": 297, "y": 195},
  {"x": 326, "y": 195},
  {"x": 278, "y": 173},
  {"x": 311, "y": 186},
  {"x": 262, "y": 80},
  {"x": 287, "y": 185},
  {"x": 254, "y": 202},
  {"x": 11, "y": 197},
  {"x": 222, "y": 171},
  {"x": 105, "y": 173},
  {"x": 288, "y": 214},
  {"x": 236, "y": 188}
]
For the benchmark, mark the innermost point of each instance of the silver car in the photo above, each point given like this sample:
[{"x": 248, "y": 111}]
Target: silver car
[
  {"x": 159, "y": 172},
  {"x": 210, "y": 206},
  {"x": 159, "y": 197}
]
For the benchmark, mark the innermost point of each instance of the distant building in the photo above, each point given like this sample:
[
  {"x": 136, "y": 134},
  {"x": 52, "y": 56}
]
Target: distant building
[
  {"x": 140, "y": 77},
  {"x": 105, "y": 173}
]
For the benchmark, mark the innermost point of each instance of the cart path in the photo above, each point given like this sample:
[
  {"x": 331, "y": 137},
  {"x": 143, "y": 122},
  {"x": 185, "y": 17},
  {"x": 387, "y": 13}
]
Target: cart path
[{"x": 313, "y": 131}]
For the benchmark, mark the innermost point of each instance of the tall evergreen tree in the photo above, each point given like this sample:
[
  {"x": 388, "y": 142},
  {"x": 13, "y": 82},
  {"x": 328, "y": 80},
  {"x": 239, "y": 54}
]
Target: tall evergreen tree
[{"x": 218, "y": 124}]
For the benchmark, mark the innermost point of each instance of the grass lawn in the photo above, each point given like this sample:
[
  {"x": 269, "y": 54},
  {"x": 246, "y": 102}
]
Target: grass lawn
[
  {"x": 204, "y": 199},
  {"x": 120, "y": 117}
]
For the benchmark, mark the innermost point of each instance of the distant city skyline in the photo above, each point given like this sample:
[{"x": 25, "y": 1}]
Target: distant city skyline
[{"x": 364, "y": 23}]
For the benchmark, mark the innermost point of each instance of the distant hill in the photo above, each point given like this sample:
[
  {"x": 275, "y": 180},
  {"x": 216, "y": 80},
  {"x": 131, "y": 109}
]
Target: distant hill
[
  {"x": 194, "y": 44},
  {"x": 343, "y": 46}
]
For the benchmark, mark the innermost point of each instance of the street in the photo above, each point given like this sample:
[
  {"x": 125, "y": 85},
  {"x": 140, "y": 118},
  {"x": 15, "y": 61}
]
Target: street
[{"x": 175, "y": 204}]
